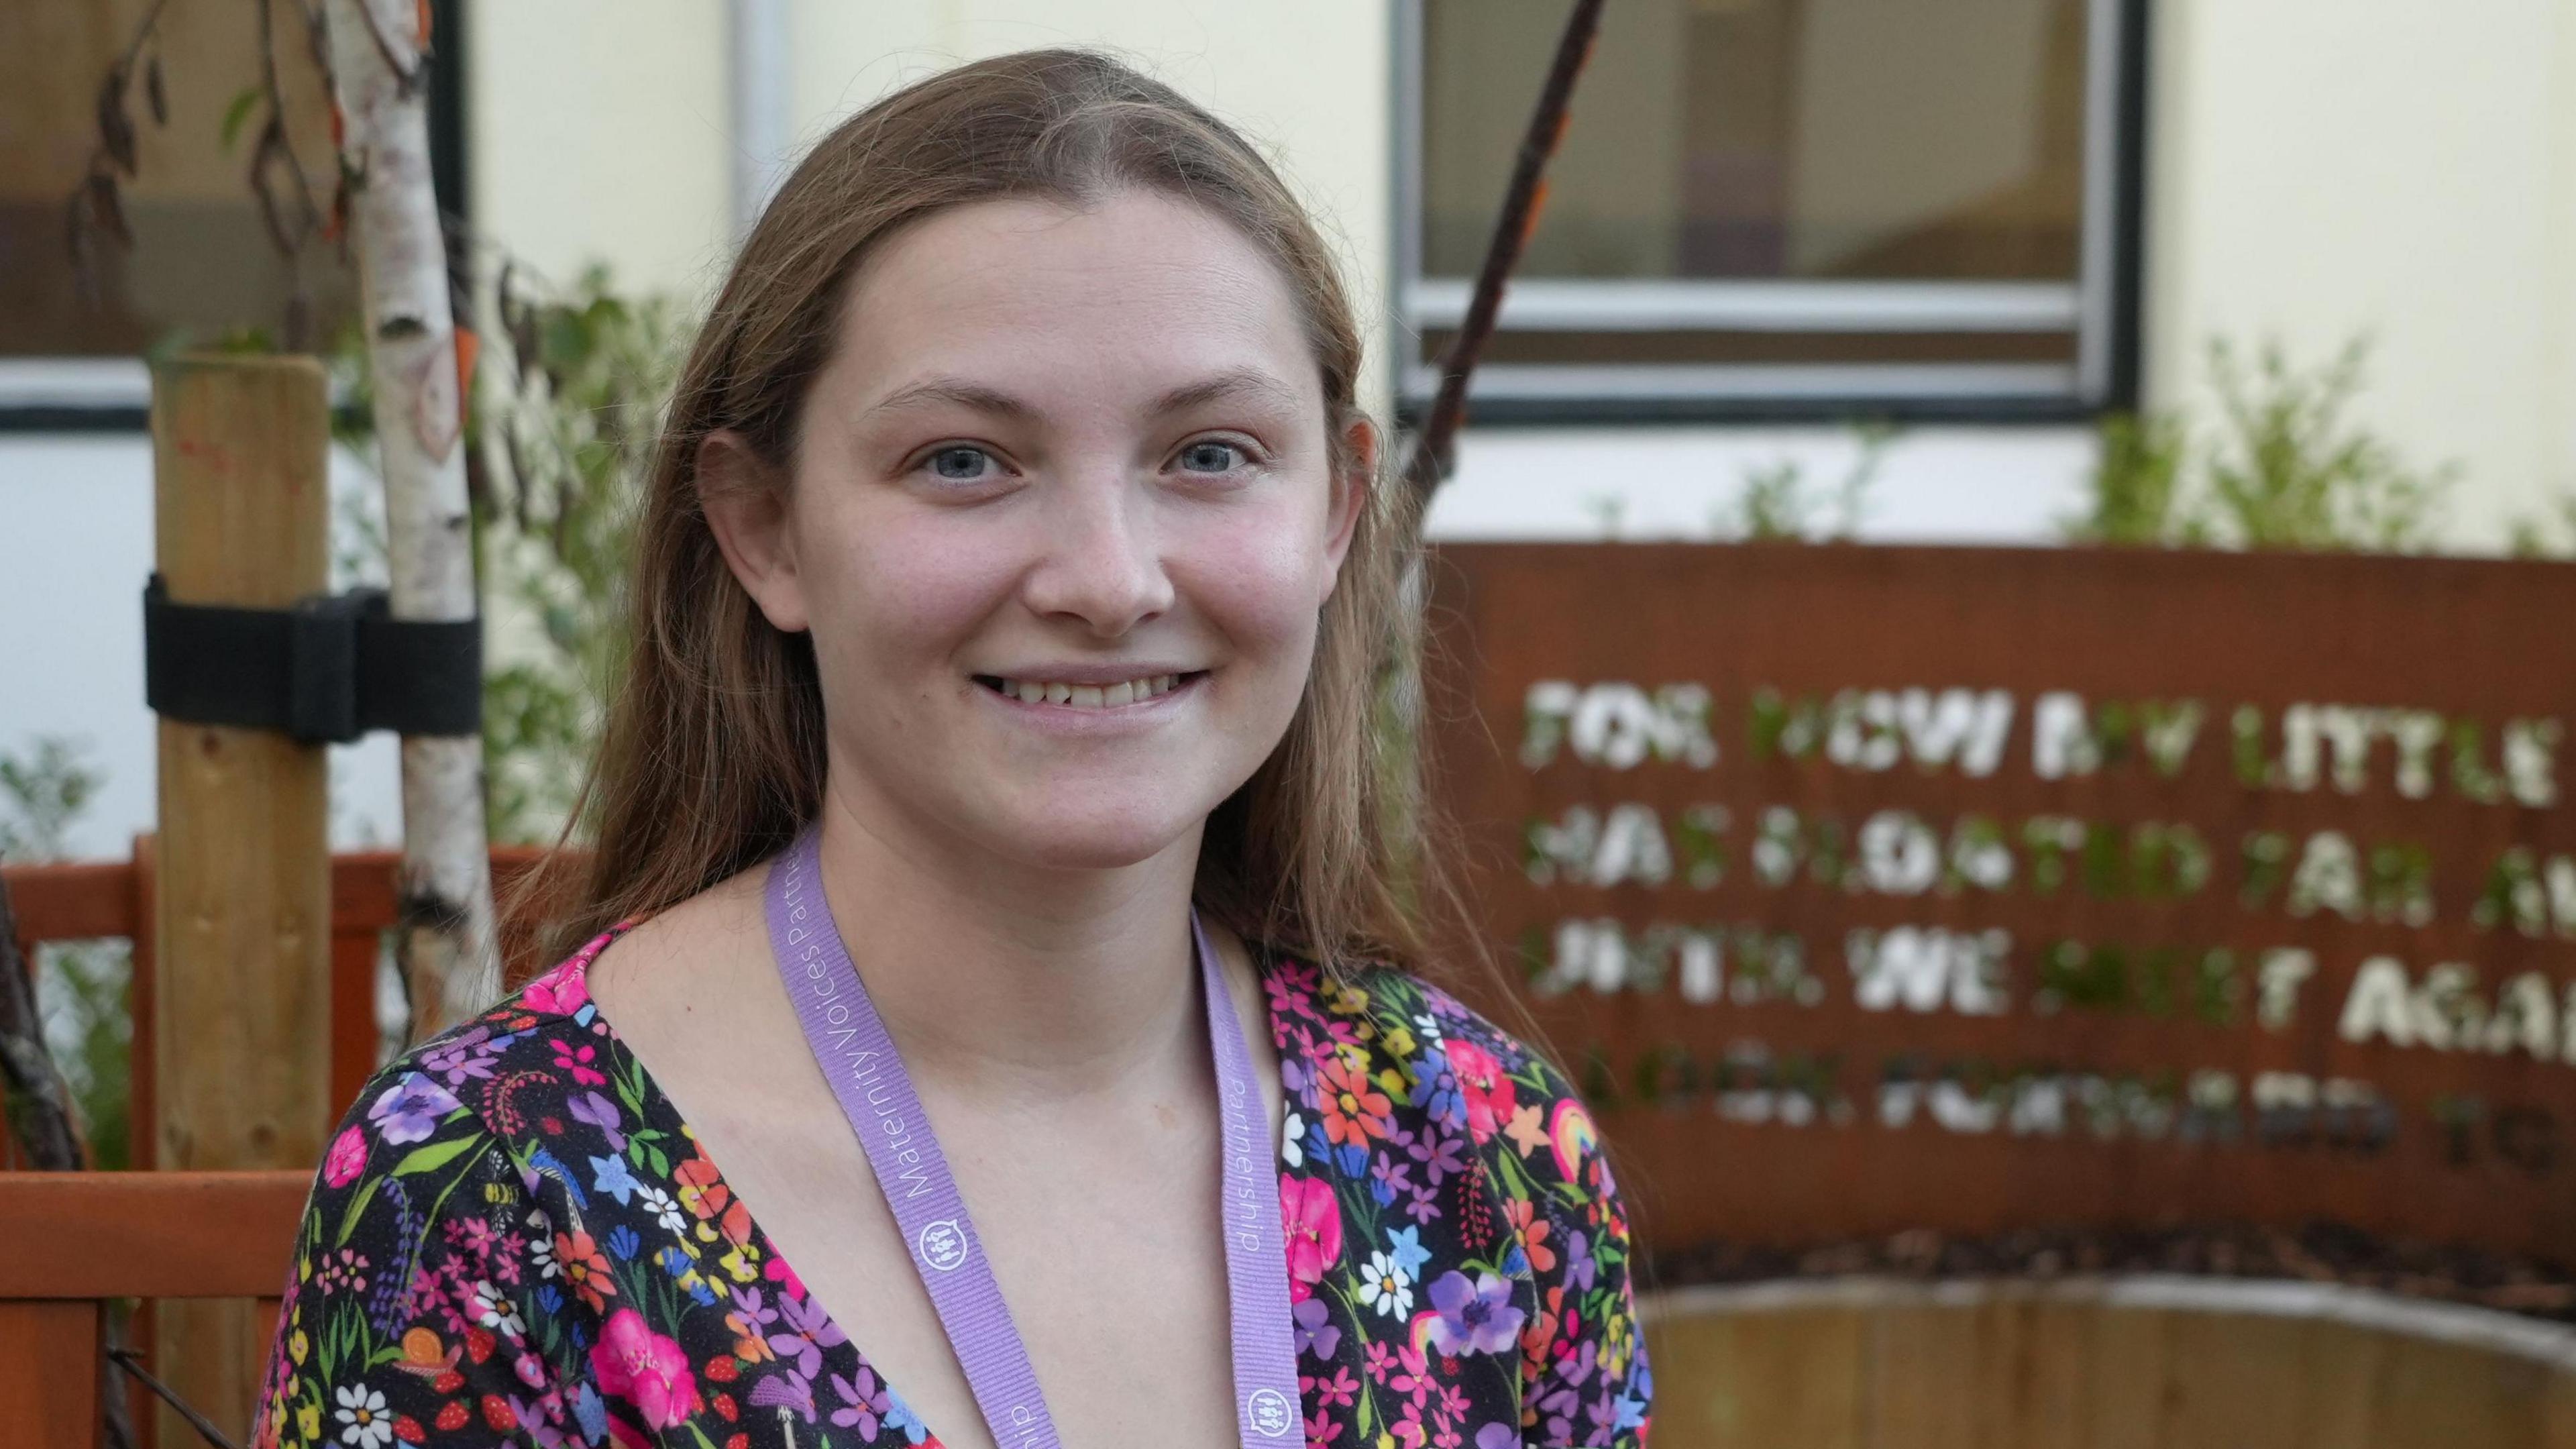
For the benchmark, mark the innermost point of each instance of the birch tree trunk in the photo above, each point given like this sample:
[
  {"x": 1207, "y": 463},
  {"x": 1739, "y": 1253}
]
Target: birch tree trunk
[{"x": 445, "y": 937}]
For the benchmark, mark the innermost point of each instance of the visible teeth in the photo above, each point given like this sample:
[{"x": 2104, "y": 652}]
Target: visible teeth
[{"x": 1089, "y": 696}]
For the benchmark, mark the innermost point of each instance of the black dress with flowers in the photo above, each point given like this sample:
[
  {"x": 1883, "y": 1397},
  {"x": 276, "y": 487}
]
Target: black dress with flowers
[{"x": 515, "y": 1239}]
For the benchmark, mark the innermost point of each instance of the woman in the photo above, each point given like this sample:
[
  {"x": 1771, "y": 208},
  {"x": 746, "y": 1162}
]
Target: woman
[{"x": 995, "y": 761}]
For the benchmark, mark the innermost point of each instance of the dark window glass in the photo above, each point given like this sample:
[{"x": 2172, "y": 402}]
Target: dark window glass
[{"x": 202, "y": 262}]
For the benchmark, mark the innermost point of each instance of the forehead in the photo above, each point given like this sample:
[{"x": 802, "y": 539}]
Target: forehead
[{"x": 1137, "y": 288}]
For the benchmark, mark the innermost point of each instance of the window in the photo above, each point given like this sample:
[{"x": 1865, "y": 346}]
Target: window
[
  {"x": 1782, "y": 206},
  {"x": 202, "y": 263}
]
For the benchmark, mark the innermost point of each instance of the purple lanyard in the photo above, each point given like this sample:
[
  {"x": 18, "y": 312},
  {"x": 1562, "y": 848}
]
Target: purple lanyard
[{"x": 859, "y": 1060}]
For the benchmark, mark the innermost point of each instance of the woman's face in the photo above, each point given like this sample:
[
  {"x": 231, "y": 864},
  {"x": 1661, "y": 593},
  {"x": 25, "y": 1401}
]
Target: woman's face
[{"x": 1062, "y": 519}]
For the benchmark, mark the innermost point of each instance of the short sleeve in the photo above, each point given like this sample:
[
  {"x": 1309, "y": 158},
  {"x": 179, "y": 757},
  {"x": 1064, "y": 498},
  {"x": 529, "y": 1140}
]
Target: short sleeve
[
  {"x": 411, "y": 1311},
  {"x": 1584, "y": 1375}
]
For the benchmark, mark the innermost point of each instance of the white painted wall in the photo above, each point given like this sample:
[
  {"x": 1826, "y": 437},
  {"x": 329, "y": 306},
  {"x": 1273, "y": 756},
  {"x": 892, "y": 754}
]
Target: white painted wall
[
  {"x": 2327, "y": 168},
  {"x": 75, "y": 548},
  {"x": 600, "y": 133}
]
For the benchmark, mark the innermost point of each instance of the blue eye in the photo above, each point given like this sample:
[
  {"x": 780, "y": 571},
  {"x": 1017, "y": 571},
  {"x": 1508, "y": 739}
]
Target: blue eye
[
  {"x": 1209, "y": 456},
  {"x": 960, "y": 464}
]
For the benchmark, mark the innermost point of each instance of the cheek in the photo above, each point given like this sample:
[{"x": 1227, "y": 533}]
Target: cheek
[
  {"x": 893, "y": 591},
  {"x": 1262, "y": 580}
]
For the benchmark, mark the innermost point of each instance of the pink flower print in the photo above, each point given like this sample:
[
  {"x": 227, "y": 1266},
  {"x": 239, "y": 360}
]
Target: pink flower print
[
  {"x": 577, "y": 1061},
  {"x": 777, "y": 1271},
  {"x": 346, "y": 1159},
  {"x": 634, "y": 1363},
  {"x": 1335, "y": 1392},
  {"x": 565, "y": 989},
  {"x": 1314, "y": 1224},
  {"x": 1489, "y": 1094}
]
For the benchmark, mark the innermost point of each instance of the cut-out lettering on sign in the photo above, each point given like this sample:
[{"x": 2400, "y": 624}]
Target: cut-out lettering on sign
[{"x": 2145, "y": 867}]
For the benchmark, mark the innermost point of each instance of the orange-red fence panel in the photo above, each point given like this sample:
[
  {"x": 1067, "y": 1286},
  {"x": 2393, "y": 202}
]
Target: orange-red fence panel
[{"x": 108, "y": 899}]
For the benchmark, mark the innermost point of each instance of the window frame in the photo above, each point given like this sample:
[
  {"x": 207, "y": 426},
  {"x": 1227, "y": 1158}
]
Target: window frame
[
  {"x": 2100, "y": 307},
  {"x": 69, "y": 393}
]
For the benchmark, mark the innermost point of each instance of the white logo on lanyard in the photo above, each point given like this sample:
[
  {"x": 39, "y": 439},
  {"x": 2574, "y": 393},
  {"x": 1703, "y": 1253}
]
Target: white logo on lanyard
[
  {"x": 943, "y": 1245},
  {"x": 1269, "y": 1411}
]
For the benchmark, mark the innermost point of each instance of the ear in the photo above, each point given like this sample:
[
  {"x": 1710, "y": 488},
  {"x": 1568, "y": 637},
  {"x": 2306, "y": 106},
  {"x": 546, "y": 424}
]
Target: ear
[
  {"x": 1352, "y": 484},
  {"x": 749, "y": 510}
]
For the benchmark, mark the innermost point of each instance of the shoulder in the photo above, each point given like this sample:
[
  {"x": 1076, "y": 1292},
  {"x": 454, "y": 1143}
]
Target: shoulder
[
  {"x": 1375, "y": 1032},
  {"x": 474, "y": 1099}
]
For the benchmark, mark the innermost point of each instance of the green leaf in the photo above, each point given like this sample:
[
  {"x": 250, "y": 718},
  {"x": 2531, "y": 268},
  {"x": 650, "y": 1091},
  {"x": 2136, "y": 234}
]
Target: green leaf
[
  {"x": 356, "y": 1209},
  {"x": 435, "y": 1155},
  {"x": 236, "y": 113}
]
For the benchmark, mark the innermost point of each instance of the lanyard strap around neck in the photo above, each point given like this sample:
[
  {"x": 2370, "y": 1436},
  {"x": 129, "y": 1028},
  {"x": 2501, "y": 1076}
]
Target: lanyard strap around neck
[{"x": 858, "y": 1058}]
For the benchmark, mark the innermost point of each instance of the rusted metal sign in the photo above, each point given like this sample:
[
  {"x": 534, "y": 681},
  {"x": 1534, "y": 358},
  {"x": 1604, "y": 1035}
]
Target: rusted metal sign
[{"x": 1869, "y": 888}]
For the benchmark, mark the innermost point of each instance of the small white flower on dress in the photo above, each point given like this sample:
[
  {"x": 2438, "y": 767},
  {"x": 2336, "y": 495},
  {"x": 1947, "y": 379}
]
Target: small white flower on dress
[
  {"x": 664, "y": 1208},
  {"x": 362, "y": 1410},
  {"x": 1292, "y": 1140},
  {"x": 496, "y": 1312},
  {"x": 1386, "y": 1286}
]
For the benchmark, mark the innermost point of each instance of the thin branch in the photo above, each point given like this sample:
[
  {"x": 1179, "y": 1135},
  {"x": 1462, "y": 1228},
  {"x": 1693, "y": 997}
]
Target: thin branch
[
  {"x": 1434, "y": 446},
  {"x": 40, "y": 1105},
  {"x": 132, "y": 1362},
  {"x": 143, "y": 31}
]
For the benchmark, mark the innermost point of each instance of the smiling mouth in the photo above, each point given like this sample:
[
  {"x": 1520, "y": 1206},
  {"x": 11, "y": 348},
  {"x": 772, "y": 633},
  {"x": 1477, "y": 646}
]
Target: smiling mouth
[{"x": 1089, "y": 696}]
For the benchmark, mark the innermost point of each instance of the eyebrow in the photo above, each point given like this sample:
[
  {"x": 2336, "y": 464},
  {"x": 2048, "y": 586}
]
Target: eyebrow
[{"x": 1245, "y": 382}]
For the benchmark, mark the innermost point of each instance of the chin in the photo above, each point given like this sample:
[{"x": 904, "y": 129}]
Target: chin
[{"x": 1072, "y": 838}]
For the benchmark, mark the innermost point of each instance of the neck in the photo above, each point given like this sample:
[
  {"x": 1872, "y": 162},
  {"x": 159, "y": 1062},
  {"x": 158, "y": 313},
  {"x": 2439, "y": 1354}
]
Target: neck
[{"x": 1015, "y": 984}]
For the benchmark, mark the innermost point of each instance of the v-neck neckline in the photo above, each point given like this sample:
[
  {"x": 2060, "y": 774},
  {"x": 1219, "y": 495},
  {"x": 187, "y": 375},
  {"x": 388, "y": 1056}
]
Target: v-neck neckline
[{"x": 824, "y": 1319}]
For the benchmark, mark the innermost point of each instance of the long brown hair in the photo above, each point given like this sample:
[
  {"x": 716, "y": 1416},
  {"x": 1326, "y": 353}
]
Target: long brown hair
[{"x": 712, "y": 757}]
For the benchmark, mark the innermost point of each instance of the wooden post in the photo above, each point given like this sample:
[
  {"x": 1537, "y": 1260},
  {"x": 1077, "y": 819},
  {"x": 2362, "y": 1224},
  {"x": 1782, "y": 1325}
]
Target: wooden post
[{"x": 241, "y": 1006}]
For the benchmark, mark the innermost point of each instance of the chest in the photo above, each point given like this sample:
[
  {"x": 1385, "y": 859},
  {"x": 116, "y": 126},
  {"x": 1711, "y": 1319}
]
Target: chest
[{"x": 1102, "y": 1227}]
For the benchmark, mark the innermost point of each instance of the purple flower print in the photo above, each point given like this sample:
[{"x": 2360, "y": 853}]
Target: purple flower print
[
  {"x": 1441, "y": 1156},
  {"x": 1498, "y": 1436},
  {"x": 469, "y": 1055},
  {"x": 809, "y": 1331},
  {"x": 408, "y": 1111},
  {"x": 601, "y": 1113},
  {"x": 1579, "y": 1262},
  {"x": 1436, "y": 1091},
  {"x": 788, "y": 1390},
  {"x": 1474, "y": 1317},
  {"x": 863, "y": 1399},
  {"x": 1392, "y": 1181},
  {"x": 1315, "y": 1331}
]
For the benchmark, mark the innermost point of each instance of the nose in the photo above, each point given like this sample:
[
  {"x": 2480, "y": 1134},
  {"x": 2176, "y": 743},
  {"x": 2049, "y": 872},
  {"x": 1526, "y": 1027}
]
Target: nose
[{"x": 1102, "y": 565}]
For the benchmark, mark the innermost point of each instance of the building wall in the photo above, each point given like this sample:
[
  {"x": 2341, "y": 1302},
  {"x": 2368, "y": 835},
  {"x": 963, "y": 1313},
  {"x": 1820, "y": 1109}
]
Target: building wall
[
  {"x": 2319, "y": 169},
  {"x": 2324, "y": 169}
]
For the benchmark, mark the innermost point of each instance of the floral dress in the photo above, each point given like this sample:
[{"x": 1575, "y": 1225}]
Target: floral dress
[{"x": 515, "y": 1239}]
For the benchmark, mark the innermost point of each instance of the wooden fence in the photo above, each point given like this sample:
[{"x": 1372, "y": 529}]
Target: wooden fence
[
  {"x": 94, "y": 899},
  {"x": 82, "y": 1237}
]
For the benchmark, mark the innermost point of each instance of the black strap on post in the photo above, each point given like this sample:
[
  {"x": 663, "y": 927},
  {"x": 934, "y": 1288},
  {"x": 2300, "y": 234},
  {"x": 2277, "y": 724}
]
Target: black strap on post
[{"x": 327, "y": 670}]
